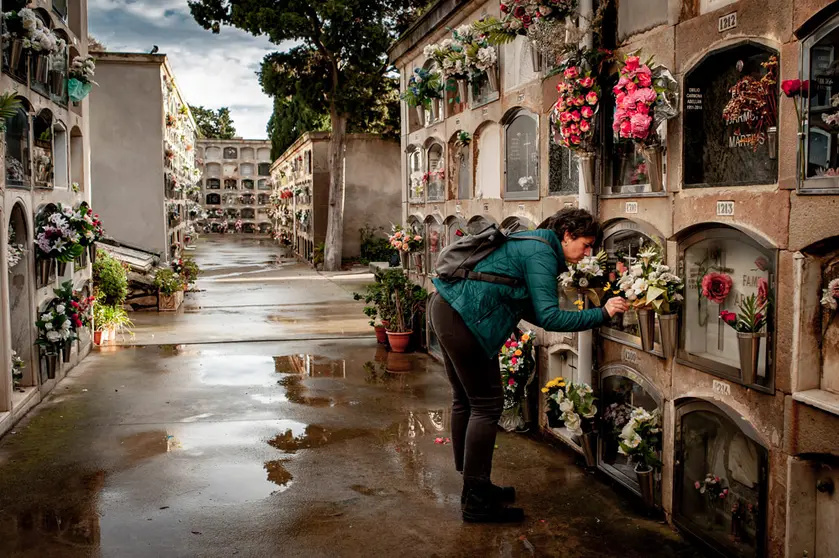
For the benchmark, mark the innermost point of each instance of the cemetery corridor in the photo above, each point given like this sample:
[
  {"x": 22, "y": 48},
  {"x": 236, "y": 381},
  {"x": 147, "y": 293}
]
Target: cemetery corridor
[{"x": 264, "y": 420}]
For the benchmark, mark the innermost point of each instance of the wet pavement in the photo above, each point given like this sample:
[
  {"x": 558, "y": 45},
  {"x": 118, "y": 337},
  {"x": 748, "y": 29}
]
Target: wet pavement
[{"x": 240, "y": 444}]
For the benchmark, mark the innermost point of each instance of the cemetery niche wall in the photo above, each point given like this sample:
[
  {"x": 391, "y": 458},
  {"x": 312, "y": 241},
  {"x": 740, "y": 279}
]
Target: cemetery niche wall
[{"x": 730, "y": 118}]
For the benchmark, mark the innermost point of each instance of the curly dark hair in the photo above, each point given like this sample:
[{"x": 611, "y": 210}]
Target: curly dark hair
[{"x": 576, "y": 222}]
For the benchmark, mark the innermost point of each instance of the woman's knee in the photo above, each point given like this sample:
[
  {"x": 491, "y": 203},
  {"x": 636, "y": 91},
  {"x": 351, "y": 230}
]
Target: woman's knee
[{"x": 490, "y": 407}]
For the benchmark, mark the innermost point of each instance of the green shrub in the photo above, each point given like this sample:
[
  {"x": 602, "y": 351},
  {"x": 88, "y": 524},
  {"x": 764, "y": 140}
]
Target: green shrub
[
  {"x": 168, "y": 282},
  {"x": 318, "y": 256},
  {"x": 110, "y": 279},
  {"x": 107, "y": 316},
  {"x": 374, "y": 245}
]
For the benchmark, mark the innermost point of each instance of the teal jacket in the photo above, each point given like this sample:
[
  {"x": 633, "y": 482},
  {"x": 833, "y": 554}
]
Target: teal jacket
[{"x": 492, "y": 311}]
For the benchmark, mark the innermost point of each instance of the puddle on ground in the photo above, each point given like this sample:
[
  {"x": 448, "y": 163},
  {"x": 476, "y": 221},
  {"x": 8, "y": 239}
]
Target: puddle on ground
[
  {"x": 144, "y": 445},
  {"x": 278, "y": 474},
  {"x": 314, "y": 436},
  {"x": 236, "y": 370},
  {"x": 314, "y": 366},
  {"x": 295, "y": 392}
]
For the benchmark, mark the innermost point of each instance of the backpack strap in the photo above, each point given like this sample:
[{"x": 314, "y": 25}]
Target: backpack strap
[{"x": 499, "y": 279}]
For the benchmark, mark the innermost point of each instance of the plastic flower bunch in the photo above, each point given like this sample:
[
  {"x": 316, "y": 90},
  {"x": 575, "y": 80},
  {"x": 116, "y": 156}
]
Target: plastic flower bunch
[
  {"x": 574, "y": 111},
  {"x": 640, "y": 438},
  {"x": 751, "y": 317},
  {"x": 422, "y": 87},
  {"x": 54, "y": 325},
  {"x": 713, "y": 487},
  {"x": 516, "y": 360},
  {"x": 83, "y": 68},
  {"x": 519, "y": 15},
  {"x": 57, "y": 238},
  {"x": 405, "y": 241},
  {"x": 830, "y": 295},
  {"x": 450, "y": 55},
  {"x": 17, "y": 368},
  {"x": 573, "y": 402},
  {"x": 649, "y": 284},
  {"x": 587, "y": 273},
  {"x": 635, "y": 97}
]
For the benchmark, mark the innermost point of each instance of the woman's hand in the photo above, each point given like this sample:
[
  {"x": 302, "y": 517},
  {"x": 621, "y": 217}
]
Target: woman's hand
[{"x": 616, "y": 305}]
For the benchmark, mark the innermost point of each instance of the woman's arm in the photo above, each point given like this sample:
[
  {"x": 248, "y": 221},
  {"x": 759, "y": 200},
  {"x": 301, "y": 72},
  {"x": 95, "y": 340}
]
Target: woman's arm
[{"x": 540, "y": 275}]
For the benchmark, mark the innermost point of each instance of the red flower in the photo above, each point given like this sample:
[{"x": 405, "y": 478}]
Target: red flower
[
  {"x": 519, "y": 11},
  {"x": 632, "y": 63},
  {"x": 791, "y": 87},
  {"x": 728, "y": 317},
  {"x": 716, "y": 286},
  {"x": 514, "y": 360},
  {"x": 504, "y": 8},
  {"x": 511, "y": 382},
  {"x": 526, "y": 19},
  {"x": 762, "y": 291},
  {"x": 805, "y": 88}
]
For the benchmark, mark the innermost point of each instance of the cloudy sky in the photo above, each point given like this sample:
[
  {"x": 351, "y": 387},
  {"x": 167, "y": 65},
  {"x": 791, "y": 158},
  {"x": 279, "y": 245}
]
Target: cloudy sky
[{"x": 211, "y": 70}]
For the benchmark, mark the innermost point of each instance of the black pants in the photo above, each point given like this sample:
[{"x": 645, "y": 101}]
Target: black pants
[{"x": 478, "y": 399}]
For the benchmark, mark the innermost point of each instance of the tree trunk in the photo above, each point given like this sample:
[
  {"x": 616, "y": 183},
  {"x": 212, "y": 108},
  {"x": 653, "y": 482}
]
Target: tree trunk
[{"x": 335, "y": 224}]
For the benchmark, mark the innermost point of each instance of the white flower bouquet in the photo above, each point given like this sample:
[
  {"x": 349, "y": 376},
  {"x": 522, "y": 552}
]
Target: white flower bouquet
[
  {"x": 649, "y": 284},
  {"x": 585, "y": 277},
  {"x": 573, "y": 403},
  {"x": 640, "y": 439}
]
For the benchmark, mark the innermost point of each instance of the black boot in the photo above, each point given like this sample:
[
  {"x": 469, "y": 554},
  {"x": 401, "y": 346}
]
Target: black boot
[
  {"x": 504, "y": 494},
  {"x": 483, "y": 505}
]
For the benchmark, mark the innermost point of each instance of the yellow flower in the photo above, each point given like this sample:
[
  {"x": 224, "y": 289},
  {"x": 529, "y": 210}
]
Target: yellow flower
[
  {"x": 518, "y": 352},
  {"x": 616, "y": 292},
  {"x": 579, "y": 304},
  {"x": 545, "y": 390},
  {"x": 561, "y": 384},
  {"x": 559, "y": 379},
  {"x": 525, "y": 338},
  {"x": 607, "y": 286}
]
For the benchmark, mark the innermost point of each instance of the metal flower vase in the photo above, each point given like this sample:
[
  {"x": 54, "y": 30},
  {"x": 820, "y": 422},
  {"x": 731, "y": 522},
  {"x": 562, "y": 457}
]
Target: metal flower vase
[
  {"x": 749, "y": 344},
  {"x": 655, "y": 167},
  {"x": 42, "y": 68},
  {"x": 463, "y": 90},
  {"x": 92, "y": 249},
  {"x": 62, "y": 268},
  {"x": 646, "y": 481},
  {"x": 66, "y": 349},
  {"x": 588, "y": 441},
  {"x": 435, "y": 110},
  {"x": 57, "y": 83},
  {"x": 50, "y": 362},
  {"x": 45, "y": 268},
  {"x": 772, "y": 141},
  {"x": 586, "y": 162},
  {"x": 646, "y": 323},
  {"x": 420, "y": 114},
  {"x": 16, "y": 54},
  {"x": 669, "y": 324},
  {"x": 492, "y": 77}
]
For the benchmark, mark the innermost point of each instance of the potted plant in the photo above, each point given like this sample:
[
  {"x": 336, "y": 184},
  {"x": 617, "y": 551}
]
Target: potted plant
[
  {"x": 585, "y": 279},
  {"x": 169, "y": 290},
  {"x": 406, "y": 301},
  {"x": 652, "y": 288},
  {"x": 109, "y": 320},
  {"x": 573, "y": 402},
  {"x": 749, "y": 324},
  {"x": 646, "y": 95},
  {"x": 376, "y": 302},
  {"x": 640, "y": 440}
]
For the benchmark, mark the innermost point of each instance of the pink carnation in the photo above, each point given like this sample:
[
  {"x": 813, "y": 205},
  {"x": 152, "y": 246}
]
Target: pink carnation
[
  {"x": 585, "y": 126},
  {"x": 644, "y": 80},
  {"x": 641, "y": 125},
  {"x": 626, "y": 129},
  {"x": 632, "y": 63},
  {"x": 647, "y": 94},
  {"x": 575, "y": 116},
  {"x": 587, "y": 112}
]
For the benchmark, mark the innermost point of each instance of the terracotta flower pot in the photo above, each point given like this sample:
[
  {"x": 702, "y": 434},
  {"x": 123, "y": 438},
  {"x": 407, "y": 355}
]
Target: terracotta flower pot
[
  {"x": 399, "y": 341},
  {"x": 97, "y": 337},
  {"x": 381, "y": 335}
]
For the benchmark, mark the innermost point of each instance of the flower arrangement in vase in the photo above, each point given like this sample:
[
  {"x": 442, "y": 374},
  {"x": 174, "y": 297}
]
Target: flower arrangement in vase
[
  {"x": 585, "y": 279},
  {"x": 645, "y": 96},
  {"x": 573, "y": 117},
  {"x": 573, "y": 404},
  {"x": 423, "y": 91},
  {"x": 57, "y": 239},
  {"x": 749, "y": 323},
  {"x": 405, "y": 241},
  {"x": 517, "y": 369},
  {"x": 17, "y": 370},
  {"x": 640, "y": 441},
  {"x": 652, "y": 288}
]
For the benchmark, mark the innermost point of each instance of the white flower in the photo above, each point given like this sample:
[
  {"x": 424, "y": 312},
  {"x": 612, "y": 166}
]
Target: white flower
[
  {"x": 47, "y": 326},
  {"x": 60, "y": 308},
  {"x": 573, "y": 423},
  {"x": 566, "y": 406},
  {"x": 583, "y": 282},
  {"x": 648, "y": 254},
  {"x": 633, "y": 442},
  {"x": 591, "y": 413},
  {"x": 637, "y": 270},
  {"x": 53, "y": 336},
  {"x": 639, "y": 287}
]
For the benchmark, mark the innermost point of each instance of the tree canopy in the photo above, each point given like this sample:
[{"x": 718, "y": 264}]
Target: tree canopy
[
  {"x": 214, "y": 124},
  {"x": 339, "y": 67}
]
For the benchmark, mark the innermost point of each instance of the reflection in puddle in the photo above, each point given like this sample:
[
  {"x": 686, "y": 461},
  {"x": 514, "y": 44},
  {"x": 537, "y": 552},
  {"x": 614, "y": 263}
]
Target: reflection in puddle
[
  {"x": 314, "y": 437},
  {"x": 313, "y": 366},
  {"x": 236, "y": 370},
  {"x": 144, "y": 445},
  {"x": 295, "y": 392},
  {"x": 278, "y": 474}
]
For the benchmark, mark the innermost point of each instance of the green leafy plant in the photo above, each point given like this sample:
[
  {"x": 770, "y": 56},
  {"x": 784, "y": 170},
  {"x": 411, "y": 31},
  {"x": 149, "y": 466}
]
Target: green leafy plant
[
  {"x": 168, "y": 282},
  {"x": 406, "y": 301},
  {"x": 379, "y": 306},
  {"x": 317, "y": 257},
  {"x": 752, "y": 315},
  {"x": 423, "y": 87},
  {"x": 374, "y": 245},
  {"x": 110, "y": 279},
  {"x": 9, "y": 106},
  {"x": 107, "y": 316}
]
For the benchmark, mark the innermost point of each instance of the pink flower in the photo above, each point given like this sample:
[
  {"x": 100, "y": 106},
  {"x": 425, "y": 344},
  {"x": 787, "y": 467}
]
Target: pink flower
[
  {"x": 728, "y": 317},
  {"x": 716, "y": 286},
  {"x": 642, "y": 108},
  {"x": 587, "y": 112},
  {"x": 511, "y": 382},
  {"x": 762, "y": 291},
  {"x": 626, "y": 129},
  {"x": 575, "y": 140},
  {"x": 644, "y": 80},
  {"x": 585, "y": 126},
  {"x": 647, "y": 95},
  {"x": 586, "y": 82},
  {"x": 572, "y": 72},
  {"x": 622, "y": 82},
  {"x": 762, "y": 263},
  {"x": 514, "y": 360},
  {"x": 696, "y": 485},
  {"x": 641, "y": 125},
  {"x": 630, "y": 86},
  {"x": 632, "y": 63},
  {"x": 565, "y": 116},
  {"x": 417, "y": 238},
  {"x": 579, "y": 101},
  {"x": 575, "y": 116},
  {"x": 592, "y": 98}
]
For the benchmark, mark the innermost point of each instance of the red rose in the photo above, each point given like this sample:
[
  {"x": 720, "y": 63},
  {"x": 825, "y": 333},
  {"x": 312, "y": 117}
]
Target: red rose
[
  {"x": 716, "y": 286},
  {"x": 504, "y": 8},
  {"x": 526, "y": 19},
  {"x": 519, "y": 11},
  {"x": 791, "y": 87},
  {"x": 728, "y": 317}
]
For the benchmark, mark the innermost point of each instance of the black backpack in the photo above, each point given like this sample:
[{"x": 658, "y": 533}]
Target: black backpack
[{"x": 458, "y": 260}]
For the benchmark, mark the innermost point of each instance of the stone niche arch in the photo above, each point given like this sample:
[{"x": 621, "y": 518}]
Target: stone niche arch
[
  {"x": 212, "y": 153},
  {"x": 434, "y": 234},
  {"x": 712, "y": 438},
  {"x": 460, "y": 168},
  {"x": 480, "y": 222},
  {"x": 454, "y": 223},
  {"x": 517, "y": 224},
  {"x": 623, "y": 388},
  {"x": 435, "y": 172},
  {"x": 18, "y": 149},
  {"x": 21, "y": 283},
  {"x": 488, "y": 161},
  {"x": 43, "y": 153},
  {"x": 77, "y": 157}
]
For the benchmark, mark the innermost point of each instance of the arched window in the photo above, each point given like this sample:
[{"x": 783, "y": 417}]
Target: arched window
[
  {"x": 59, "y": 66},
  {"x": 230, "y": 153},
  {"x": 722, "y": 266},
  {"x": 435, "y": 176},
  {"x": 416, "y": 187},
  {"x": 714, "y": 440},
  {"x": 43, "y": 151},
  {"x": 77, "y": 157},
  {"x": 521, "y": 156},
  {"x": 416, "y": 261},
  {"x": 479, "y": 223},
  {"x": 246, "y": 154},
  {"x": 822, "y": 120},
  {"x": 17, "y": 148},
  {"x": 434, "y": 112},
  {"x": 455, "y": 229},
  {"x": 488, "y": 164},
  {"x": 62, "y": 165},
  {"x": 460, "y": 163},
  {"x": 434, "y": 234},
  {"x": 213, "y": 199}
]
